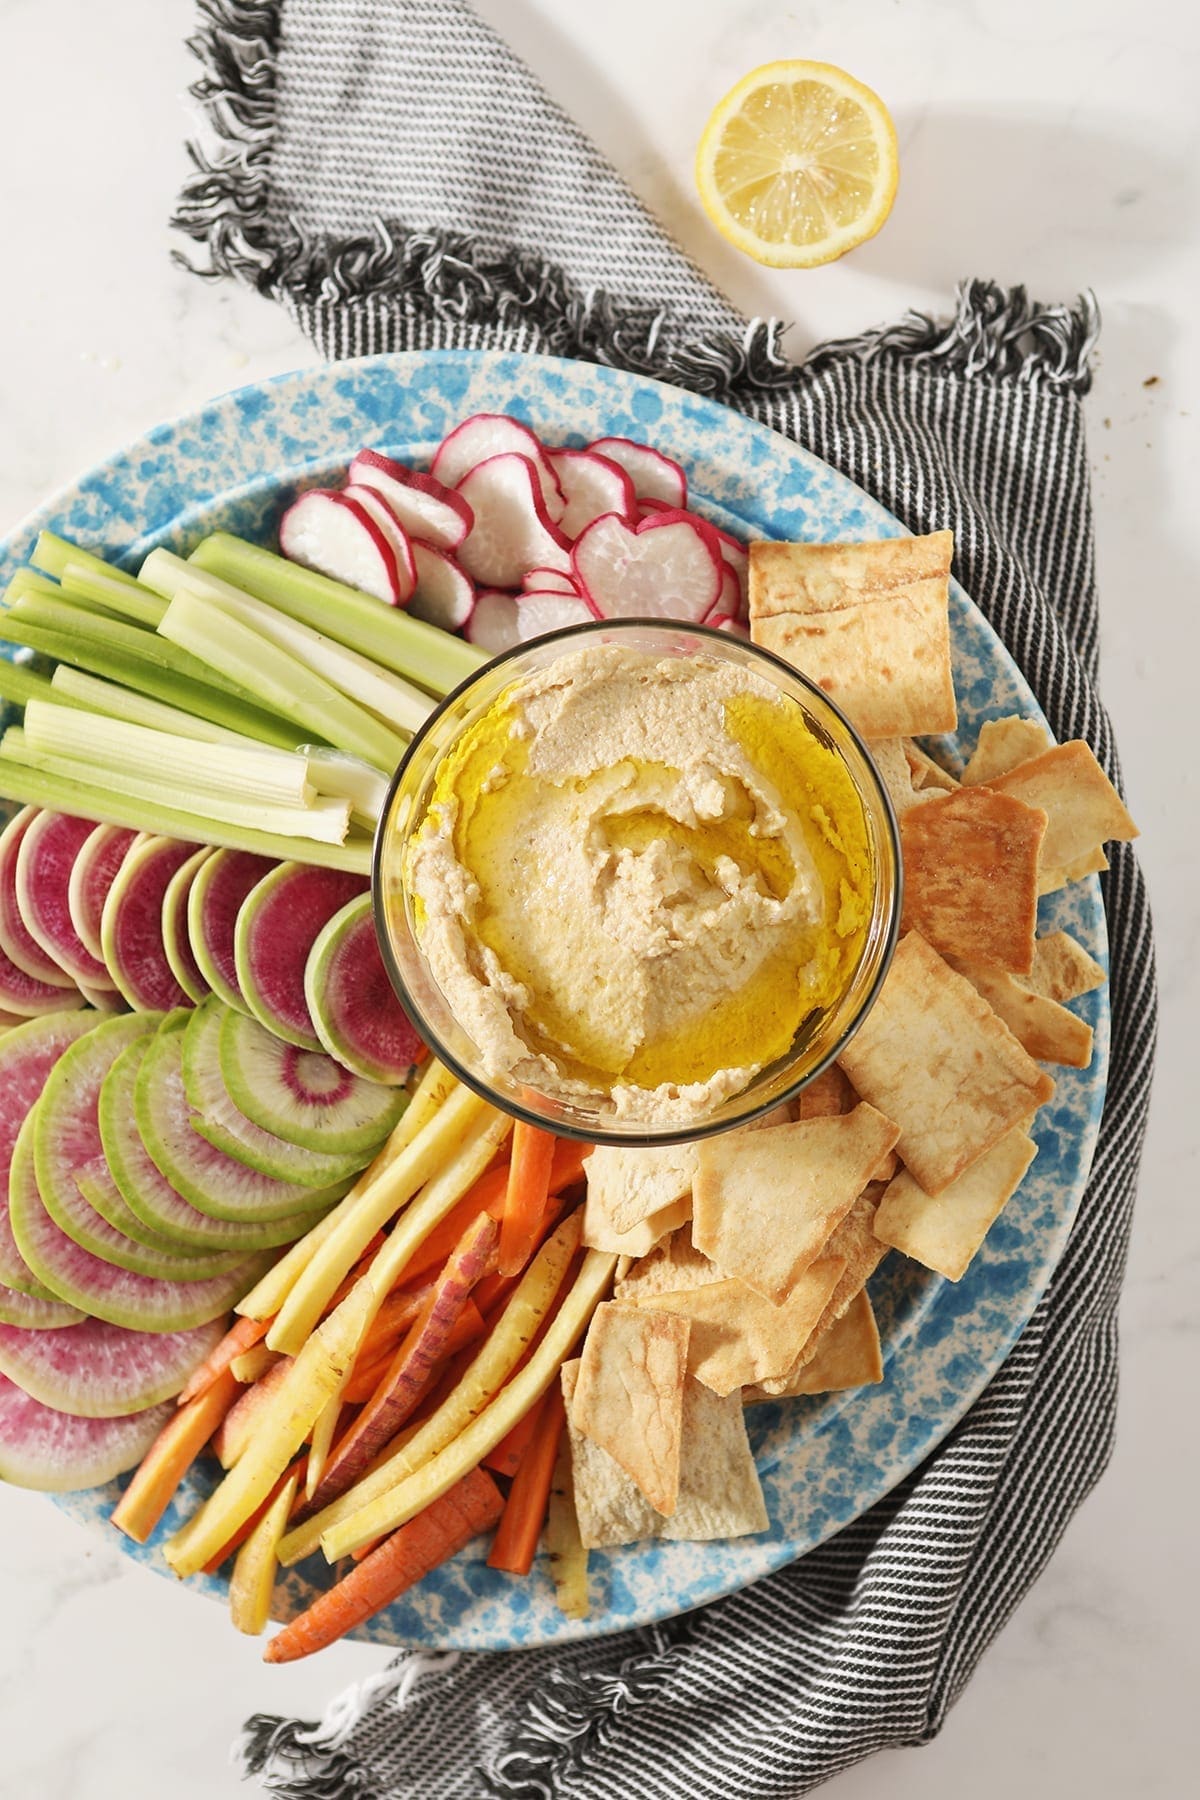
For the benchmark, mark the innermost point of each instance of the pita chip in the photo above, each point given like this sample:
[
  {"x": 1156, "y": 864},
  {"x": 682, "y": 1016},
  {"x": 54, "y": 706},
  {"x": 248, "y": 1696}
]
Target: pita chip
[
  {"x": 927, "y": 776},
  {"x": 869, "y": 623},
  {"x": 671, "y": 1266},
  {"x": 1083, "y": 809},
  {"x": 855, "y": 1243},
  {"x": 945, "y": 1231},
  {"x": 848, "y": 1356},
  {"x": 1062, "y": 969},
  {"x": 829, "y": 1094},
  {"x": 629, "y": 1394},
  {"x": 599, "y": 1233},
  {"x": 630, "y": 1184},
  {"x": 1042, "y": 1027},
  {"x": 971, "y": 876},
  {"x": 765, "y": 1205},
  {"x": 1002, "y": 744},
  {"x": 932, "y": 1055},
  {"x": 739, "y": 1338}
]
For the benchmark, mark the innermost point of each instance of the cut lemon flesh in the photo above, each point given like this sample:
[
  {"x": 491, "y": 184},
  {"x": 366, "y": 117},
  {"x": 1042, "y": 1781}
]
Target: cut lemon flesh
[{"x": 798, "y": 164}]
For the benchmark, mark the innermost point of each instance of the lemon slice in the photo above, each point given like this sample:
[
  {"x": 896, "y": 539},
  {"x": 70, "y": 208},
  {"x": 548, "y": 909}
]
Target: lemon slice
[{"x": 798, "y": 164}]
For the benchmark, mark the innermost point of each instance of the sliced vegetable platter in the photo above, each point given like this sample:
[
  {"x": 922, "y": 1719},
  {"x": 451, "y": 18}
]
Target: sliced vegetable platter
[{"x": 237, "y": 466}]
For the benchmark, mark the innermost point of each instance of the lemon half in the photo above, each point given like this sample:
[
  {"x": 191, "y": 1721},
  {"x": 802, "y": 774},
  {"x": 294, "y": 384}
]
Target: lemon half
[{"x": 798, "y": 164}]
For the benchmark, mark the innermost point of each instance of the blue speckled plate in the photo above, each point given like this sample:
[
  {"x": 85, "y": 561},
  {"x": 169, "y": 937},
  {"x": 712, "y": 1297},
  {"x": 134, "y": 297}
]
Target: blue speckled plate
[{"x": 823, "y": 1462}]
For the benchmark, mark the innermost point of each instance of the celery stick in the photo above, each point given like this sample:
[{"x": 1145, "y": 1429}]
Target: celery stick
[
  {"x": 326, "y": 821},
  {"x": 52, "y": 554},
  {"x": 278, "y": 680},
  {"x": 73, "y": 616},
  {"x": 126, "y": 666},
  {"x": 435, "y": 659},
  {"x": 124, "y": 598},
  {"x": 20, "y": 684},
  {"x": 74, "y": 687},
  {"x": 396, "y": 701},
  {"x": 276, "y": 777},
  {"x": 37, "y": 787},
  {"x": 332, "y": 772},
  {"x": 26, "y": 582}
]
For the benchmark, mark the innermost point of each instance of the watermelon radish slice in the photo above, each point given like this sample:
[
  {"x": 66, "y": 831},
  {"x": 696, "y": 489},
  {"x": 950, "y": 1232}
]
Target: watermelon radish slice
[
  {"x": 98, "y": 1186},
  {"x": 27, "y": 997},
  {"x": 23, "y": 951},
  {"x": 539, "y": 613},
  {"x": 217, "y": 894},
  {"x": 29, "y": 1313},
  {"x": 92, "y": 874},
  {"x": 177, "y": 944},
  {"x": 304, "y": 1095},
  {"x": 593, "y": 484},
  {"x": 487, "y": 435},
  {"x": 667, "y": 567},
  {"x": 336, "y": 536},
  {"x": 425, "y": 507},
  {"x": 205, "y": 1176},
  {"x": 147, "y": 1192},
  {"x": 276, "y": 928},
  {"x": 353, "y": 1004},
  {"x": 377, "y": 508},
  {"x": 44, "y": 863},
  {"x": 59, "y": 1453},
  {"x": 131, "y": 929},
  {"x": 513, "y": 531},
  {"x": 27, "y": 1056},
  {"x": 141, "y": 1302},
  {"x": 654, "y": 476},
  {"x": 88, "y": 1227},
  {"x": 445, "y": 594},
  {"x": 101, "y": 1371},
  {"x": 218, "y": 1119},
  {"x": 493, "y": 624}
]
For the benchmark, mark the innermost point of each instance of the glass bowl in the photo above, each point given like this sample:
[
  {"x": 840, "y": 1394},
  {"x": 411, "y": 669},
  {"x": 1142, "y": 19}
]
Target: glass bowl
[{"x": 822, "y": 1034}]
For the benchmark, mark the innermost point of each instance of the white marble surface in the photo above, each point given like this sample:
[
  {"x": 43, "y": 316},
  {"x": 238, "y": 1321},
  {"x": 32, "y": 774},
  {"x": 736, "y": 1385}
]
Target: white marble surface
[{"x": 1049, "y": 141}]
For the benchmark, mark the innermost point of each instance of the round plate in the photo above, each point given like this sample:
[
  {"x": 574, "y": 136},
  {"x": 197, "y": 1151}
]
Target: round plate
[{"x": 234, "y": 466}]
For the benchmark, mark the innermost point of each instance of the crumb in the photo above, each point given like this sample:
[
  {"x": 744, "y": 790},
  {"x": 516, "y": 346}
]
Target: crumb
[{"x": 1150, "y": 381}]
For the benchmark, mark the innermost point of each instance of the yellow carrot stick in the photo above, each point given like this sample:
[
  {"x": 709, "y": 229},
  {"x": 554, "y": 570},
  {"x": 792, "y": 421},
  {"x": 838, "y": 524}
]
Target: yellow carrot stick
[
  {"x": 312, "y": 1378},
  {"x": 461, "y": 1456},
  {"x": 366, "y": 1208},
  {"x": 322, "y": 1436},
  {"x": 254, "y": 1363},
  {"x": 481, "y": 1382},
  {"x": 564, "y": 1545},
  {"x": 253, "y": 1580}
]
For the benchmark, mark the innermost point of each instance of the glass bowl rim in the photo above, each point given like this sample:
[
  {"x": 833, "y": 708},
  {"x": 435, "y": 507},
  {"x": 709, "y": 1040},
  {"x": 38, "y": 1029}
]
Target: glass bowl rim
[{"x": 646, "y": 1138}]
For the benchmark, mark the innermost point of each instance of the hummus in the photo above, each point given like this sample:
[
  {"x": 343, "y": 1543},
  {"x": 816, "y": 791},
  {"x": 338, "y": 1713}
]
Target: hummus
[{"x": 636, "y": 877}]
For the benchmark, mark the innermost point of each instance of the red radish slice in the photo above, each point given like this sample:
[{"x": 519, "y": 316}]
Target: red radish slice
[
  {"x": 668, "y": 567},
  {"x": 493, "y": 624},
  {"x": 654, "y": 476},
  {"x": 177, "y": 945},
  {"x": 512, "y": 530},
  {"x": 60, "y": 1453},
  {"x": 539, "y": 613},
  {"x": 131, "y": 928},
  {"x": 734, "y": 626},
  {"x": 27, "y": 1056},
  {"x": 377, "y": 508},
  {"x": 550, "y": 581},
  {"x": 213, "y": 906},
  {"x": 94, "y": 872},
  {"x": 728, "y": 604},
  {"x": 647, "y": 508},
  {"x": 425, "y": 507},
  {"x": 44, "y": 863},
  {"x": 23, "y": 951},
  {"x": 734, "y": 552},
  {"x": 486, "y": 435},
  {"x": 354, "y": 1007},
  {"x": 277, "y": 926},
  {"x": 338, "y": 537},
  {"x": 101, "y": 1371},
  {"x": 445, "y": 593},
  {"x": 593, "y": 484}
]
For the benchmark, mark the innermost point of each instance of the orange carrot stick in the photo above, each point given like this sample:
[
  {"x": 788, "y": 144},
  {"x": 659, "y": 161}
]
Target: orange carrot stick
[
  {"x": 505, "y": 1459},
  {"x": 494, "y": 1290},
  {"x": 516, "y": 1540},
  {"x": 242, "y": 1335},
  {"x": 243, "y": 1531},
  {"x": 471, "y": 1506},
  {"x": 469, "y": 1326},
  {"x": 169, "y": 1458},
  {"x": 528, "y": 1191},
  {"x": 238, "y": 1426}
]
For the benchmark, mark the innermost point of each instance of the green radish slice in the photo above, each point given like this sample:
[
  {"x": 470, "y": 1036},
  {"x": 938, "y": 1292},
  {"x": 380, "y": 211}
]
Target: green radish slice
[
  {"x": 32, "y": 1314},
  {"x": 23, "y": 951},
  {"x": 304, "y": 1095},
  {"x": 98, "y": 1186},
  {"x": 205, "y": 1176},
  {"x": 220, "y": 1122},
  {"x": 100, "y": 1371},
  {"x": 277, "y": 926},
  {"x": 213, "y": 906},
  {"x": 177, "y": 943},
  {"x": 44, "y": 863},
  {"x": 27, "y": 1056},
  {"x": 92, "y": 875},
  {"x": 86, "y": 1226},
  {"x": 66, "y": 1122},
  {"x": 59, "y": 1453},
  {"x": 148, "y": 1193},
  {"x": 353, "y": 1005},
  {"x": 142, "y": 1302},
  {"x": 131, "y": 928}
]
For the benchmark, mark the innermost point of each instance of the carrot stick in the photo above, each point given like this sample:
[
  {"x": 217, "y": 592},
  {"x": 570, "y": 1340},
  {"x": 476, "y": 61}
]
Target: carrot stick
[
  {"x": 528, "y": 1191},
  {"x": 439, "y": 1532},
  {"x": 516, "y": 1540},
  {"x": 238, "y": 1426},
  {"x": 469, "y": 1326},
  {"x": 243, "y": 1531},
  {"x": 494, "y": 1290},
  {"x": 169, "y": 1458},
  {"x": 505, "y": 1459},
  {"x": 486, "y": 1195},
  {"x": 394, "y": 1316},
  {"x": 242, "y": 1335}
]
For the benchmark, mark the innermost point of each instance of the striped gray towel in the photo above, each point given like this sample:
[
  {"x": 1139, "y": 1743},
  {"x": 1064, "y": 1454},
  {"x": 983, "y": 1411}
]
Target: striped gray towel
[{"x": 390, "y": 173}]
